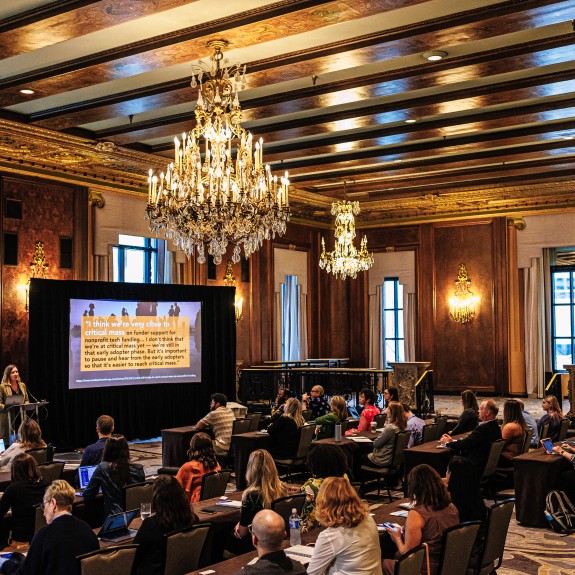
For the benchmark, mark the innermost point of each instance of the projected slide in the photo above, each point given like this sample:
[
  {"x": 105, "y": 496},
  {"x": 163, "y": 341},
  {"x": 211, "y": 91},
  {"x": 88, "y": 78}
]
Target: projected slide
[{"x": 133, "y": 342}]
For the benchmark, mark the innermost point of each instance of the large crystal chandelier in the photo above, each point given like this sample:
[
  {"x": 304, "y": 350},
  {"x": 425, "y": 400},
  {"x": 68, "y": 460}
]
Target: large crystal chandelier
[
  {"x": 345, "y": 260},
  {"x": 209, "y": 196}
]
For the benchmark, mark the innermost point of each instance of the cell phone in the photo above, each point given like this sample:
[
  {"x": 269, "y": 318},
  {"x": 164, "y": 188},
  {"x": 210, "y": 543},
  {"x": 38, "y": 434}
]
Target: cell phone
[
  {"x": 548, "y": 445},
  {"x": 207, "y": 511},
  {"x": 389, "y": 525}
]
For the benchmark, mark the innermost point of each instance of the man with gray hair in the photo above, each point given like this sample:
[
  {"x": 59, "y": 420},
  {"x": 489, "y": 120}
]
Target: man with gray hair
[{"x": 268, "y": 534}]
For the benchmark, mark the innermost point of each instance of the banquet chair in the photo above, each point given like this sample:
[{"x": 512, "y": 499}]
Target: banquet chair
[
  {"x": 116, "y": 560},
  {"x": 39, "y": 520},
  {"x": 241, "y": 426},
  {"x": 283, "y": 506},
  {"x": 214, "y": 484},
  {"x": 307, "y": 415},
  {"x": 490, "y": 468},
  {"x": 255, "y": 419},
  {"x": 410, "y": 562},
  {"x": 456, "y": 548},
  {"x": 499, "y": 516},
  {"x": 527, "y": 441},
  {"x": 429, "y": 433},
  {"x": 51, "y": 471},
  {"x": 544, "y": 431},
  {"x": 387, "y": 476},
  {"x": 41, "y": 454},
  {"x": 307, "y": 433},
  {"x": 380, "y": 420},
  {"x": 184, "y": 549},
  {"x": 441, "y": 421},
  {"x": 137, "y": 493},
  {"x": 563, "y": 428}
]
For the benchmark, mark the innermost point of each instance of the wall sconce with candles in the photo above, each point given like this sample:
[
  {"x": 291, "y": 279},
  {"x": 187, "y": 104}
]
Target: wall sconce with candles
[
  {"x": 463, "y": 304},
  {"x": 230, "y": 280},
  {"x": 38, "y": 267}
]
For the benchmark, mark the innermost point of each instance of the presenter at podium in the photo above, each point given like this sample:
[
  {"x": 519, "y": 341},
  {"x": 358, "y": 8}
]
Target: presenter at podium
[{"x": 10, "y": 385}]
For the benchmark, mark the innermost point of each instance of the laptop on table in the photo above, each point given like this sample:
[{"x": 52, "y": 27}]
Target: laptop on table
[
  {"x": 85, "y": 473},
  {"x": 117, "y": 527}
]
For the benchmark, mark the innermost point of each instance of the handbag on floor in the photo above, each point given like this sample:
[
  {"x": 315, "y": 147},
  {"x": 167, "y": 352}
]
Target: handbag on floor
[{"x": 560, "y": 512}]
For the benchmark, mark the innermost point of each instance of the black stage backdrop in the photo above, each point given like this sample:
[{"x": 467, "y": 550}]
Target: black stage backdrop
[{"x": 140, "y": 411}]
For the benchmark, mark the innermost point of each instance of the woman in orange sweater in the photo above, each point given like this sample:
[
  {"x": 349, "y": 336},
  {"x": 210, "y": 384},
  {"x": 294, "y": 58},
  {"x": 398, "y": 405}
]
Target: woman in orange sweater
[{"x": 202, "y": 460}]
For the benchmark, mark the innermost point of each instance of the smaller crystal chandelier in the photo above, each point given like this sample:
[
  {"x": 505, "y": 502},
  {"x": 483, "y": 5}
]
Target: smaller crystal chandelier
[
  {"x": 463, "y": 303},
  {"x": 217, "y": 190},
  {"x": 230, "y": 281},
  {"x": 345, "y": 260}
]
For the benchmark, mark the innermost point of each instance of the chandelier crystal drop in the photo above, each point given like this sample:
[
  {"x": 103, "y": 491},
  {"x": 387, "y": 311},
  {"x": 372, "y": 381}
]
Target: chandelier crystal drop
[
  {"x": 462, "y": 306},
  {"x": 345, "y": 260},
  {"x": 210, "y": 196}
]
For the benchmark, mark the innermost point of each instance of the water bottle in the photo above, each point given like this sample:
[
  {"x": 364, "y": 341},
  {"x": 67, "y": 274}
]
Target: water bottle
[
  {"x": 294, "y": 528},
  {"x": 337, "y": 435}
]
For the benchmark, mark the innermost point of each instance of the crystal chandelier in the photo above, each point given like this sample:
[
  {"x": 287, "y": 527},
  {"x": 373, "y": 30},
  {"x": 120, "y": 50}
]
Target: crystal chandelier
[
  {"x": 462, "y": 304},
  {"x": 208, "y": 196},
  {"x": 345, "y": 260}
]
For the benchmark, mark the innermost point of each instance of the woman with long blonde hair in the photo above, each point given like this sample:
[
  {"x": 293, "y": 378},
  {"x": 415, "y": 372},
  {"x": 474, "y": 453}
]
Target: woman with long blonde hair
[
  {"x": 553, "y": 417},
  {"x": 264, "y": 486},
  {"x": 326, "y": 423},
  {"x": 30, "y": 438},
  {"x": 284, "y": 432},
  {"x": 384, "y": 444},
  {"x": 350, "y": 543}
]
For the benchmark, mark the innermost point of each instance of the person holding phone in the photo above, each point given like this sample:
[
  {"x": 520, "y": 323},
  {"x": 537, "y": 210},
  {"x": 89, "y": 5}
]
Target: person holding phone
[{"x": 567, "y": 478}]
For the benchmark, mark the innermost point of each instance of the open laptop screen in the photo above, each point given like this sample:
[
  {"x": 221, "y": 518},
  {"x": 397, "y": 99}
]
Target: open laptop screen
[{"x": 85, "y": 473}]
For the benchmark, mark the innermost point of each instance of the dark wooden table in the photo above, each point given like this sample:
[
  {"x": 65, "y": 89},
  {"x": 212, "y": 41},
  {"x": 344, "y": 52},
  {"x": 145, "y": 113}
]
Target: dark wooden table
[
  {"x": 429, "y": 453},
  {"x": 536, "y": 473},
  {"x": 176, "y": 443},
  {"x": 381, "y": 513},
  {"x": 353, "y": 450}
]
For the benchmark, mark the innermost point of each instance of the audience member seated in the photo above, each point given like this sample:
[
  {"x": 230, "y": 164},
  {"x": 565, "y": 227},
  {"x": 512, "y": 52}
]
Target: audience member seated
[
  {"x": 431, "y": 515},
  {"x": 25, "y": 491},
  {"x": 531, "y": 424},
  {"x": 318, "y": 402},
  {"x": 468, "y": 419},
  {"x": 350, "y": 543},
  {"x": 278, "y": 407},
  {"x": 383, "y": 445},
  {"x": 30, "y": 438},
  {"x": 567, "y": 478},
  {"x": 367, "y": 400},
  {"x": 268, "y": 534},
  {"x": 221, "y": 419},
  {"x": 477, "y": 444},
  {"x": 513, "y": 431},
  {"x": 414, "y": 425},
  {"x": 202, "y": 460},
  {"x": 326, "y": 423},
  {"x": 113, "y": 474},
  {"x": 553, "y": 417},
  {"x": 323, "y": 461},
  {"x": 93, "y": 453},
  {"x": 264, "y": 486},
  {"x": 55, "y": 546},
  {"x": 389, "y": 394},
  {"x": 171, "y": 512},
  {"x": 284, "y": 432}
]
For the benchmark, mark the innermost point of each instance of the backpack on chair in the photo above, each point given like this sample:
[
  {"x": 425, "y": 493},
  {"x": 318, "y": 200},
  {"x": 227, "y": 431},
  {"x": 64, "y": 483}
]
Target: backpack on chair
[{"x": 560, "y": 512}]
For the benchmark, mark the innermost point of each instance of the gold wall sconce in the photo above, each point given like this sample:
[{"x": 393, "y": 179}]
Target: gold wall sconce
[
  {"x": 463, "y": 304},
  {"x": 38, "y": 268},
  {"x": 230, "y": 280}
]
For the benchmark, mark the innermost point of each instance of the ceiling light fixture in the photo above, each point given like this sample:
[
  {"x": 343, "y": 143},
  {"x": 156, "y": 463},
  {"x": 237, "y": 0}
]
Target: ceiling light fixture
[
  {"x": 435, "y": 55},
  {"x": 208, "y": 196},
  {"x": 345, "y": 260}
]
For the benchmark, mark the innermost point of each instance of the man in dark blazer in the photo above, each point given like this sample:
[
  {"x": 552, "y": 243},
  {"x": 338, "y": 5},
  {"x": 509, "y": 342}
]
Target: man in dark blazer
[
  {"x": 477, "y": 444},
  {"x": 55, "y": 546}
]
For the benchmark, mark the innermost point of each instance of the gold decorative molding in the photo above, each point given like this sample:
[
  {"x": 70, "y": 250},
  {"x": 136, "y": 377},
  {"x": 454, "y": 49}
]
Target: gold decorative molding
[
  {"x": 517, "y": 223},
  {"x": 96, "y": 199}
]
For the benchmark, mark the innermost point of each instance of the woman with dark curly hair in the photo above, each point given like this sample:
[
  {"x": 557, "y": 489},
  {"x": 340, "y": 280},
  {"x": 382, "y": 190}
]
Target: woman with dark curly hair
[
  {"x": 430, "y": 516},
  {"x": 350, "y": 543},
  {"x": 171, "y": 512},
  {"x": 202, "y": 460},
  {"x": 113, "y": 474}
]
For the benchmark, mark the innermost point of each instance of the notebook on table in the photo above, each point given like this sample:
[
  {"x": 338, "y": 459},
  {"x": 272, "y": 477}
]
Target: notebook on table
[
  {"x": 117, "y": 527},
  {"x": 300, "y": 553}
]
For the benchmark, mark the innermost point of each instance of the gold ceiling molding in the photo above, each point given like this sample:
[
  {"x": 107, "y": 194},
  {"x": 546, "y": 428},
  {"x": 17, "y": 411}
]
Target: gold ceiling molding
[{"x": 96, "y": 199}]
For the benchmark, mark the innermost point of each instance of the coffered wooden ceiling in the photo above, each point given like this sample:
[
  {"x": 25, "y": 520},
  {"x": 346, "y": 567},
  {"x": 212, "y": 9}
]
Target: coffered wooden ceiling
[{"x": 340, "y": 91}]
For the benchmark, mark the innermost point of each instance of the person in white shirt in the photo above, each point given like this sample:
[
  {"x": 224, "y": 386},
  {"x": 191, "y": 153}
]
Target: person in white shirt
[{"x": 350, "y": 543}]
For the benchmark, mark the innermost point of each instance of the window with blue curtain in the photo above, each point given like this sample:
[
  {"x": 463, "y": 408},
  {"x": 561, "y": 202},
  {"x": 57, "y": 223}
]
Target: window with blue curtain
[
  {"x": 140, "y": 260},
  {"x": 290, "y": 319},
  {"x": 393, "y": 338}
]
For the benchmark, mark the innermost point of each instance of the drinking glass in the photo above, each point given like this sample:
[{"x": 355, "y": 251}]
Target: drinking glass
[{"x": 145, "y": 510}]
